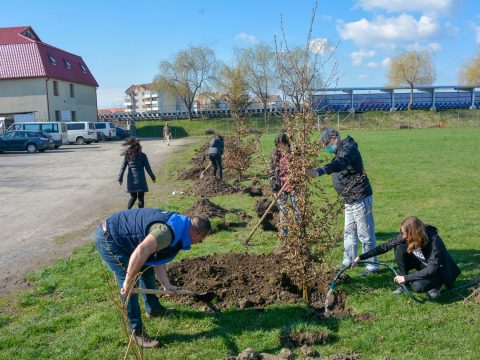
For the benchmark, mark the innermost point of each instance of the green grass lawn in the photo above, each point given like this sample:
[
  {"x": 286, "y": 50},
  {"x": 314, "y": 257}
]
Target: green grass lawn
[{"x": 431, "y": 173}]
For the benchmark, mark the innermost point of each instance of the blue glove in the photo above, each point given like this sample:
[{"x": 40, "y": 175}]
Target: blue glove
[{"x": 320, "y": 171}]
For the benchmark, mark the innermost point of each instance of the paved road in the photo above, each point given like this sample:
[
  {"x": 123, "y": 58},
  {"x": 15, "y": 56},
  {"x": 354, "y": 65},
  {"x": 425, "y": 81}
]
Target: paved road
[{"x": 50, "y": 203}]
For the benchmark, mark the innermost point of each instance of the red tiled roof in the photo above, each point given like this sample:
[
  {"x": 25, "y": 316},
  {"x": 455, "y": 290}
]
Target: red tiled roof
[{"x": 24, "y": 57}]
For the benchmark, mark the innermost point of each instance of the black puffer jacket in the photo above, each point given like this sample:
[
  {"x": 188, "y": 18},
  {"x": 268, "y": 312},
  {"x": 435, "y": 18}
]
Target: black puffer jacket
[
  {"x": 136, "y": 180},
  {"x": 438, "y": 259},
  {"x": 349, "y": 177}
]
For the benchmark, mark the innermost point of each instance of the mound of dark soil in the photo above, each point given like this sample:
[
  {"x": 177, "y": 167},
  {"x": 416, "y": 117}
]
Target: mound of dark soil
[
  {"x": 271, "y": 221},
  {"x": 210, "y": 186},
  {"x": 242, "y": 281},
  {"x": 255, "y": 189},
  {"x": 206, "y": 208},
  {"x": 200, "y": 162}
]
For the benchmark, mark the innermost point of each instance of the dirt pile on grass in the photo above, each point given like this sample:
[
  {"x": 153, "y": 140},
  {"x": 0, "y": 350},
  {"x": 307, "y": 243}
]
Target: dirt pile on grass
[
  {"x": 243, "y": 281},
  {"x": 200, "y": 162},
  {"x": 206, "y": 208},
  {"x": 272, "y": 220},
  {"x": 210, "y": 186},
  {"x": 255, "y": 189}
]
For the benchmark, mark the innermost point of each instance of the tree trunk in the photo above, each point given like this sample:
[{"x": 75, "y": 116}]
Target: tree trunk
[{"x": 410, "y": 102}]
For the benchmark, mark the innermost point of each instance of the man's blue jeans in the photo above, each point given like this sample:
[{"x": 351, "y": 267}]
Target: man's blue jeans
[
  {"x": 117, "y": 262},
  {"x": 359, "y": 226}
]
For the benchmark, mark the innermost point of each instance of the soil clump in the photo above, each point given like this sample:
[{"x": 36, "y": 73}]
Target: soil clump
[
  {"x": 308, "y": 338},
  {"x": 206, "y": 208},
  {"x": 272, "y": 220}
]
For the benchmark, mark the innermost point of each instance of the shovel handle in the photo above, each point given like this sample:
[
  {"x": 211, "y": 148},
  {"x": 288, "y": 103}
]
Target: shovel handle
[
  {"x": 162, "y": 292},
  {"x": 266, "y": 212}
]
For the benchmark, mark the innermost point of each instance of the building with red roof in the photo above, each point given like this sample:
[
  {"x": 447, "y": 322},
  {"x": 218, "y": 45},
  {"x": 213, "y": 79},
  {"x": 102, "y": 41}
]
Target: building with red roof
[{"x": 42, "y": 82}]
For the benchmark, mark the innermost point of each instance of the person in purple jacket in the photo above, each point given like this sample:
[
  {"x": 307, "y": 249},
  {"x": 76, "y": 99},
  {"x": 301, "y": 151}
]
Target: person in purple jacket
[{"x": 418, "y": 247}]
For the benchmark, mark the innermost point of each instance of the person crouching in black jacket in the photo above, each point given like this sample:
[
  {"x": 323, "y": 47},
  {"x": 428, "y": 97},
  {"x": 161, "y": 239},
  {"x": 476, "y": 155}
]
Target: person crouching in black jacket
[{"x": 419, "y": 247}]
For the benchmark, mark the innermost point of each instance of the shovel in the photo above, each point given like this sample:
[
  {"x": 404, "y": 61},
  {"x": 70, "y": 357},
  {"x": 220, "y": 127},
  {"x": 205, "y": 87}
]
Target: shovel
[
  {"x": 202, "y": 174},
  {"x": 206, "y": 297}
]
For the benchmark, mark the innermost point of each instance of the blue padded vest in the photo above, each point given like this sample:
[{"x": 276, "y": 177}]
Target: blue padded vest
[{"x": 128, "y": 228}]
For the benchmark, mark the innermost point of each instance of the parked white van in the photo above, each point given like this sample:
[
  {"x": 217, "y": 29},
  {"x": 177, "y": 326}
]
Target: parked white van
[
  {"x": 57, "y": 130},
  {"x": 105, "y": 130},
  {"x": 81, "y": 132}
]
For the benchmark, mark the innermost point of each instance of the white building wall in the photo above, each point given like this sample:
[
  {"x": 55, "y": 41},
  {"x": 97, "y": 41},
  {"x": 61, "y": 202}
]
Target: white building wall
[{"x": 23, "y": 96}]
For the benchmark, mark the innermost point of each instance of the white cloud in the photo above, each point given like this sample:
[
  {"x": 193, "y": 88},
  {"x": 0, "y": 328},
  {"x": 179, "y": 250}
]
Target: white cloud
[
  {"x": 319, "y": 46},
  {"x": 372, "y": 65},
  {"x": 247, "y": 38},
  {"x": 386, "y": 62},
  {"x": 431, "y": 47},
  {"x": 362, "y": 76},
  {"x": 384, "y": 32},
  {"x": 326, "y": 17},
  {"x": 431, "y": 7},
  {"x": 358, "y": 56}
]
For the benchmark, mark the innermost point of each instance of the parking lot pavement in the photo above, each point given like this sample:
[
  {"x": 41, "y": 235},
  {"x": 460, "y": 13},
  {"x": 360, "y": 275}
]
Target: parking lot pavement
[{"x": 52, "y": 202}]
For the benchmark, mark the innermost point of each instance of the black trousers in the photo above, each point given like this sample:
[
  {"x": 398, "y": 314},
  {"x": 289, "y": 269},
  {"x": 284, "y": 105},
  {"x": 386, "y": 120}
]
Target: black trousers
[
  {"x": 217, "y": 164},
  {"x": 133, "y": 198},
  {"x": 407, "y": 262}
]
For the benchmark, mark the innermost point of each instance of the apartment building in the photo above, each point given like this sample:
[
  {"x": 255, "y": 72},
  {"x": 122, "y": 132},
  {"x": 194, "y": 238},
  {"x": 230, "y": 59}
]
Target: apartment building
[{"x": 142, "y": 98}]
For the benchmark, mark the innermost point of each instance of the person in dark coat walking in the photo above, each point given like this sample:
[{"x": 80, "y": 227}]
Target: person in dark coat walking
[
  {"x": 215, "y": 152},
  {"x": 135, "y": 245},
  {"x": 419, "y": 247},
  {"x": 137, "y": 163},
  {"x": 351, "y": 183}
]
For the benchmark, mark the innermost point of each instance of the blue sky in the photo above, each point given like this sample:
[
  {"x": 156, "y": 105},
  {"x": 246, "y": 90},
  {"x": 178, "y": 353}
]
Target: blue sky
[{"x": 123, "y": 42}]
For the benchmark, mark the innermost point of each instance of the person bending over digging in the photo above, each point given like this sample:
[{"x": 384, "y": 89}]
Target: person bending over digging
[
  {"x": 419, "y": 247},
  {"x": 135, "y": 245},
  {"x": 352, "y": 184}
]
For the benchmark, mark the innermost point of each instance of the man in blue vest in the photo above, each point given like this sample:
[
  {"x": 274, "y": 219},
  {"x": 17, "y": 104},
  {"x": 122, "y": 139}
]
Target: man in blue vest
[{"x": 136, "y": 244}]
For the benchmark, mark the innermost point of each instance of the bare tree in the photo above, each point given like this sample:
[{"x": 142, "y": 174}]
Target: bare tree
[
  {"x": 233, "y": 86},
  {"x": 296, "y": 69},
  {"x": 259, "y": 66},
  {"x": 186, "y": 74},
  {"x": 411, "y": 68},
  {"x": 470, "y": 72}
]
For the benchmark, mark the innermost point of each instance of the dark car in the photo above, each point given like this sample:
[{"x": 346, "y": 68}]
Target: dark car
[
  {"x": 122, "y": 133},
  {"x": 24, "y": 140}
]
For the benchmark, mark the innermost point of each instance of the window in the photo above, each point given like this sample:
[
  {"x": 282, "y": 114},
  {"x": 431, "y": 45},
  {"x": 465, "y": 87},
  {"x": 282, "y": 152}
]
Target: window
[
  {"x": 52, "y": 59},
  {"x": 49, "y": 128},
  {"x": 55, "y": 88},
  {"x": 91, "y": 126},
  {"x": 72, "y": 90},
  {"x": 31, "y": 127},
  {"x": 67, "y": 64},
  {"x": 57, "y": 115},
  {"x": 74, "y": 116},
  {"x": 100, "y": 125},
  {"x": 83, "y": 68},
  {"x": 75, "y": 126}
]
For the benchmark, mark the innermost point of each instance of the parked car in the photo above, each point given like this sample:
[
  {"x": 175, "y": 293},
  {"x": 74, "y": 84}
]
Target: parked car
[
  {"x": 58, "y": 130},
  {"x": 22, "y": 140},
  {"x": 81, "y": 132},
  {"x": 122, "y": 133},
  {"x": 105, "y": 130}
]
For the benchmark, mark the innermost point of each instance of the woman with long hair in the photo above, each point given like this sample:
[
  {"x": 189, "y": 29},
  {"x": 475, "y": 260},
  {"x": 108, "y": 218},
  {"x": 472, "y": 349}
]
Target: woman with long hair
[
  {"x": 137, "y": 163},
  {"x": 419, "y": 247}
]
